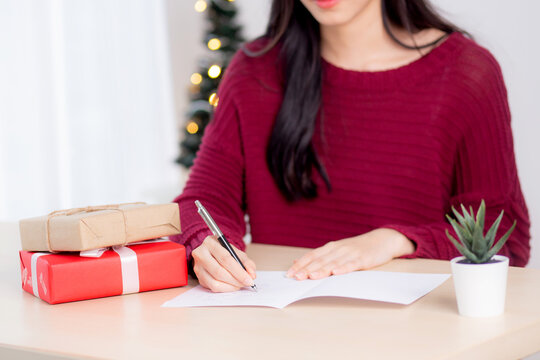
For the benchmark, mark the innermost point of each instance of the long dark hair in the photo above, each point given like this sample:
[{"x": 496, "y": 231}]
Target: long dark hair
[{"x": 290, "y": 155}]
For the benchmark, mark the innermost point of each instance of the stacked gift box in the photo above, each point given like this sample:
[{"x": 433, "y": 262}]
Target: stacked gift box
[{"x": 100, "y": 251}]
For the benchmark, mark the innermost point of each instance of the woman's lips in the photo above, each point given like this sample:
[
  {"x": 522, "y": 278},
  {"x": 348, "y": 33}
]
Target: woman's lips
[{"x": 326, "y": 4}]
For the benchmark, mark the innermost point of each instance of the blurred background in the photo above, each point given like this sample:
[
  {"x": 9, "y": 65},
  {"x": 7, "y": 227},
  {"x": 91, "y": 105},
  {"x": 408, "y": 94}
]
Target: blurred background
[{"x": 97, "y": 95}]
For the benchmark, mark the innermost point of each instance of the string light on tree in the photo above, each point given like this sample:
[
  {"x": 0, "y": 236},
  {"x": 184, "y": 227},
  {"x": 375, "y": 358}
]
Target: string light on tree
[
  {"x": 200, "y": 5},
  {"x": 222, "y": 38},
  {"x": 213, "y": 99},
  {"x": 214, "y": 71},
  {"x": 196, "y": 78},
  {"x": 192, "y": 127},
  {"x": 214, "y": 44}
]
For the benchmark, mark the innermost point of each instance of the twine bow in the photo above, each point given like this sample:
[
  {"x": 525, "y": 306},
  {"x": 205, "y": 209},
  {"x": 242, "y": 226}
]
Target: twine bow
[{"x": 87, "y": 209}]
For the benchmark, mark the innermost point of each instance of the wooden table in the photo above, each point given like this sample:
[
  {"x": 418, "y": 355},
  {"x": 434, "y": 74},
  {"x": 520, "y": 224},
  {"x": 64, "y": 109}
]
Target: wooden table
[{"x": 135, "y": 326}]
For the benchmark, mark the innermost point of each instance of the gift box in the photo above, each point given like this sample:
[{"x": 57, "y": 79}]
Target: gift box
[
  {"x": 64, "y": 277},
  {"x": 99, "y": 226}
]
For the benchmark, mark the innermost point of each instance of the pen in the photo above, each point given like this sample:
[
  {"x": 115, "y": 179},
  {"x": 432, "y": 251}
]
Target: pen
[{"x": 215, "y": 230}]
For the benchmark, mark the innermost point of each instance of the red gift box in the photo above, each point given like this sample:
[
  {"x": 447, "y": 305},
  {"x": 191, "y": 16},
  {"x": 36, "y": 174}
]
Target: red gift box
[{"x": 64, "y": 277}]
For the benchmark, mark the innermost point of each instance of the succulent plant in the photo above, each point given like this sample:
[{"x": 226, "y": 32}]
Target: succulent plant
[{"x": 474, "y": 245}]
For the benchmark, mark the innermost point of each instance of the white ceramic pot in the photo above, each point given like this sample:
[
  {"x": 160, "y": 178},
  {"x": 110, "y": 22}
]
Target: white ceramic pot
[{"x": 480, "y": 288}]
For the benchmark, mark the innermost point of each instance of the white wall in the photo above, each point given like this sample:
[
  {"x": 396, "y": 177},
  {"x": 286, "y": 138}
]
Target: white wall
[
  {"x": 507, "y": 28},
  {"x": 86, "y": 113}
]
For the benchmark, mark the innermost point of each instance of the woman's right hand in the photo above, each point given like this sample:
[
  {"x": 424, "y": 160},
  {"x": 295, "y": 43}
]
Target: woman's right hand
[{"x": 217, "y": 270}]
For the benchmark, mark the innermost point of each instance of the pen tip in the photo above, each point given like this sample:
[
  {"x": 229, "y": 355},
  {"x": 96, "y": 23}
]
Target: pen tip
[{"x": 254, "y": 287}]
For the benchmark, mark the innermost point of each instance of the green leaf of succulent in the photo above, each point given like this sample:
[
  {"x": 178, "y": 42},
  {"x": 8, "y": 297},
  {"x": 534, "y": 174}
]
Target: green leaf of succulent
[
  {"x": 469, "y": 227},
  {"x": 478, "y": 241},
  {"x": 469, "y": 220},
  {"x": 481, "y": 215},
  {"x": 490, "y": 236},
  {"x": 463, "y": 250},
  {"x": 500, "y": 243},
  {"x": 463, "y": 234},
  {"x": 460, "y": 218}
]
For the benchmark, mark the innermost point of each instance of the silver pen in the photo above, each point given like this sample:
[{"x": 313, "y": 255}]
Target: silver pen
[{"x": 217, "y": 233}]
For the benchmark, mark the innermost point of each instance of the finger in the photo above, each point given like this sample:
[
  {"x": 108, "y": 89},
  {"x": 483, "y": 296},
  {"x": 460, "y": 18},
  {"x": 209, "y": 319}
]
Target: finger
[
  {"x": 225, "y": 259},
  {"x": 308, "y": 258},
  {"x": 220, "y": 273},
  {"x": 300, "y": 263},
  {"x": 324, "y": 265},
  {"x": 205, "y": 259},
  {"x": 324, "y": 271},
  {"x": 312, "y": 267},
  {"x": 321, "y": 267},
  {"x": 248, "y": 263},
  {"x": 317, "y": 268},
  {"x": 348, "y": 267},
  {"x": 206, "y": 280}
]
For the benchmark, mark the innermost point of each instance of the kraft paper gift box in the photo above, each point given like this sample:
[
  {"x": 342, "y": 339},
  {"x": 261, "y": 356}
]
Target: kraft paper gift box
[
  {"x": 64, "y": 277},
  {"x": 96, "y": 227}
]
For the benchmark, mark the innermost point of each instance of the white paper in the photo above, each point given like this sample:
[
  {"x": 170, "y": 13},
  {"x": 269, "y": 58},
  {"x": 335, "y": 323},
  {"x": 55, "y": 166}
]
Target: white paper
[
  {"x": 276, "y": 290},
  {"x": 94, "y": 253}
]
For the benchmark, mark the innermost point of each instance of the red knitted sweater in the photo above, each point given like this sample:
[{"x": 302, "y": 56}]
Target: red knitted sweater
[{"x": 400, "y": 147}]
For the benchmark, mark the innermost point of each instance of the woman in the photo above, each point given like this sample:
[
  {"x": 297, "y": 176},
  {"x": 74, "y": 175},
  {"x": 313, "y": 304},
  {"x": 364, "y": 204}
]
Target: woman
[{"x": 352, "y": 127}]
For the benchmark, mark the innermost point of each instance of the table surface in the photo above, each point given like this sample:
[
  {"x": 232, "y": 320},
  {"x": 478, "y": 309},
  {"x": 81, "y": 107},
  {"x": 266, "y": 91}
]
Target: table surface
[{"x": 135, "y": 326}]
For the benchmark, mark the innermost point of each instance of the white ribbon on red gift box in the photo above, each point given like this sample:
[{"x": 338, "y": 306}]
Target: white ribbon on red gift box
[
  {"x": 33, "y": 272},
  {"x": 128, "y": 264},
  {"x": 130, "y": 269}
]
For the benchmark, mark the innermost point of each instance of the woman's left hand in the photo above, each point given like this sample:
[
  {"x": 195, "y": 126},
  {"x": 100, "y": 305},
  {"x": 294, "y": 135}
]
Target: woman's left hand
[{"x": 357, "y": 253}]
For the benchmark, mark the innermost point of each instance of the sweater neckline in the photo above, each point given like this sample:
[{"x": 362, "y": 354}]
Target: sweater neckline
[{"x": 402, "y": 75}]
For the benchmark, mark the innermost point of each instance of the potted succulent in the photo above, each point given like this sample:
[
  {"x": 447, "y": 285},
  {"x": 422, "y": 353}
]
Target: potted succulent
[{"x": 479, "y": 275}]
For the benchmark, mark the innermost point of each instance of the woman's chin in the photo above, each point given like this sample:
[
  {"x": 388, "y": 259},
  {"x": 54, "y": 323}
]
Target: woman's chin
[{"x": 332, "y": 19}]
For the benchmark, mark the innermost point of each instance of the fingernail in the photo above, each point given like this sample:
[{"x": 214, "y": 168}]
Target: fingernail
[
  {"x": 248, "y": 281},
  {"x": 314, "y": 274},
  {"x": 300, "y": 275},
  {"x": 289, "y": 274}
]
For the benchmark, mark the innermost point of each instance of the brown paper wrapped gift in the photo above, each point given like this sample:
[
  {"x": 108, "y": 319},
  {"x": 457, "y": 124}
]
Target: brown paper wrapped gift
[{"x": 95, "y": 227}]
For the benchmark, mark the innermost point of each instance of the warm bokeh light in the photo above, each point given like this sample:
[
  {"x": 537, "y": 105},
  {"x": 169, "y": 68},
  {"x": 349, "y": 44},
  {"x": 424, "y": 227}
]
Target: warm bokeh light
[
  {"x": 214, "y": 44},
  {"x": 200, "y": 5},
  {"x": 213, "y": 99},
  {"x": 214, "y": 71},
  {"x": 192, "y": 127},
  {"x": 194, "y": 89},
  {"x": 196, "y": 78}
]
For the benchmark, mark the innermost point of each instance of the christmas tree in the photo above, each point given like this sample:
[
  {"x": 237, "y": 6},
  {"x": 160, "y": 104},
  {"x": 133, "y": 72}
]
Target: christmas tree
[{"x": 223, "y": 39}]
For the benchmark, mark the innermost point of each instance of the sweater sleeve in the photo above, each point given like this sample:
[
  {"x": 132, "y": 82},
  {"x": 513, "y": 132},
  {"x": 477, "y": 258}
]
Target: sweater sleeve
[
  {"x": 216, "y": 177},
  {"x": 485, "y": 168}
]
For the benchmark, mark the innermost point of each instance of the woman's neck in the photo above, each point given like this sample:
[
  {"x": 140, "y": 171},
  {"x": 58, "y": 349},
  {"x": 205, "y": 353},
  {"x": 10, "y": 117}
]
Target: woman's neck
[{"x": 363, "y": 44}]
